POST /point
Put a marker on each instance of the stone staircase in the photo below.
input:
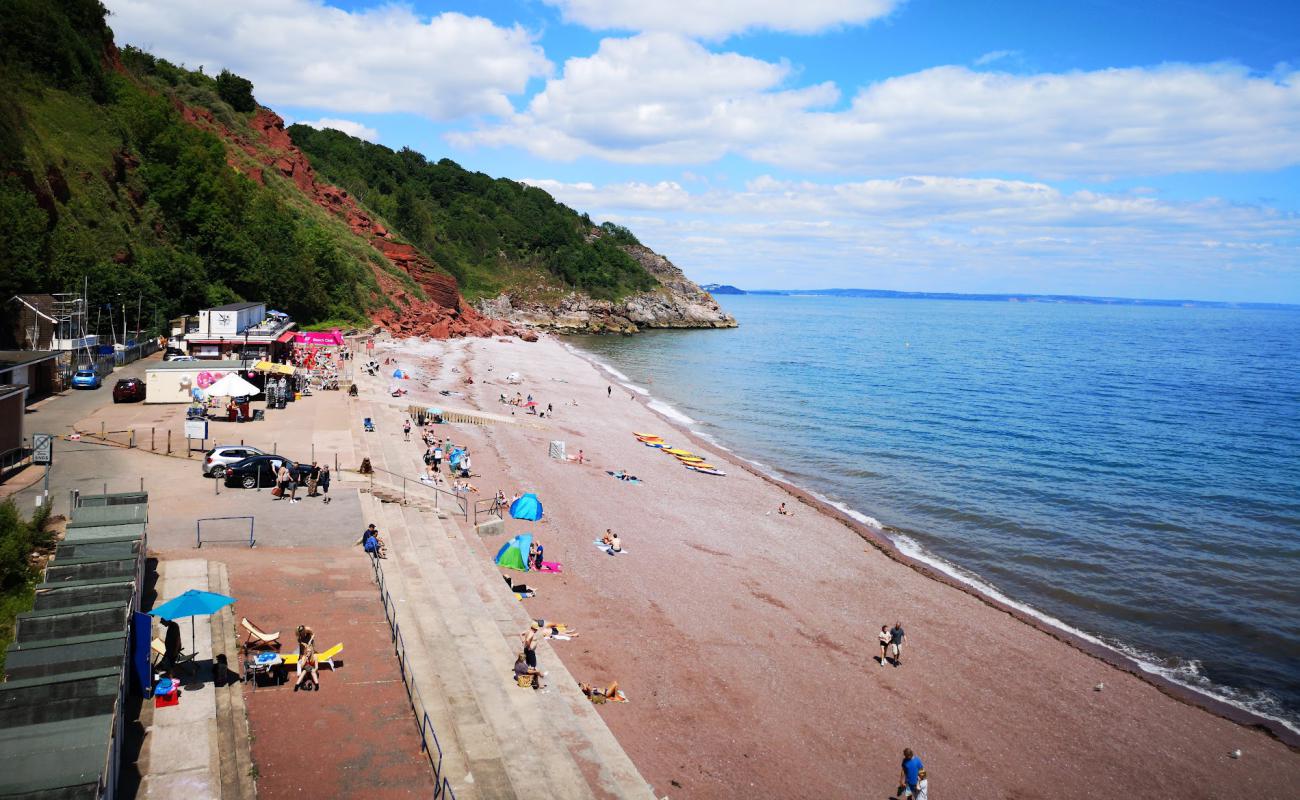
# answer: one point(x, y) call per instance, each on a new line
point(460, 624)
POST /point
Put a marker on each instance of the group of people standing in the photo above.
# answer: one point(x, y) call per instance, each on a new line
point(317, 478)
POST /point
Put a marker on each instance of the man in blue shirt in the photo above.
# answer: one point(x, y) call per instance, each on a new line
point(909, 775)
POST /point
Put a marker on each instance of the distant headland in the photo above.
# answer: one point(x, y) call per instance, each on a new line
point(725, 289)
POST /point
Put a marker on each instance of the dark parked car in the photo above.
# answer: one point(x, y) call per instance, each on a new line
point(256, 471)
point(128, 390)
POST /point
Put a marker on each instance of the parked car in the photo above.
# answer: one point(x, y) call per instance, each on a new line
point(218, 458)
point(128, 390)
point(181, 357)
point(260, 470)
point(172, 351)
point(86, 379)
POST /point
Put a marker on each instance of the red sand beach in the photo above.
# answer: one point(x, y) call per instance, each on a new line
point(746, 640)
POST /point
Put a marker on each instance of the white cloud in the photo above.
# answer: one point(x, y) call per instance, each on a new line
point(721, 18)
point(304, 53)
point(660, 98)
point(956, 234)
point(347, 126)
point(655, 98)
point(996, 55)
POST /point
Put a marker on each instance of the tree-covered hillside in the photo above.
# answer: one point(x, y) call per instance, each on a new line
point(487, 232)
point(102, 178)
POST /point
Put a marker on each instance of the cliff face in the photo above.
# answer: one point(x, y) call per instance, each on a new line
point(445, 314)
point(677, 303)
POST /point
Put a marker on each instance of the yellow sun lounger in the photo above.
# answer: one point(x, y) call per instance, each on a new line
point(322, 659)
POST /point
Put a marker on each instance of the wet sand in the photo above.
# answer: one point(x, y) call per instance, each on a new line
point(746, 640)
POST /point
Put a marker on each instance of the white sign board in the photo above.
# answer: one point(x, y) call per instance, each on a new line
point(42, 448)
point(196, 429)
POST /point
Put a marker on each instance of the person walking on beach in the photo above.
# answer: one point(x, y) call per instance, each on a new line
point(437, 457)
point(909, 776)
point(406, 430)
point(324, 483)
point(896, 643)
point(885, 639)
point(609, 391)
point(313, 480)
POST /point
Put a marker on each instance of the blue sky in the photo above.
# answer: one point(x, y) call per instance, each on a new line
point(1096, 147)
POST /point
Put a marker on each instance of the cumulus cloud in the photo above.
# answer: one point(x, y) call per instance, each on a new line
point(655, 98)
point(721, 18)
point(660, 98)
point(957, 234)
point(347, 126)
point(305, 53)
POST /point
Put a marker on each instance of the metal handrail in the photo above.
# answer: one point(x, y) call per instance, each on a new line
point(490, 507)
point(462, 504)
point(441, 786)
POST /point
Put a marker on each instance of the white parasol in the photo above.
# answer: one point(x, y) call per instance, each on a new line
point(233, 386)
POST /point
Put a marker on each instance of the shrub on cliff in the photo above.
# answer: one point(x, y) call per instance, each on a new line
point(236, 91)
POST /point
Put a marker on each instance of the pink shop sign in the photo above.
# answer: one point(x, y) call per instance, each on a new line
point(333, 337)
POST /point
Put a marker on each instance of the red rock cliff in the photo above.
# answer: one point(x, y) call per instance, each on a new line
point(445, 314)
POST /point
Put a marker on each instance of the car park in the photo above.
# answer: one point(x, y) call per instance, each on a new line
point(86, 379)
point(259, 471)
point(218, 458)
point(128, 390)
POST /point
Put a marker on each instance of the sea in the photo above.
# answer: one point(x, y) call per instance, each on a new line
point(1129, 473)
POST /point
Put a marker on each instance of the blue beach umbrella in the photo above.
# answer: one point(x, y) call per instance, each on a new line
point(527, 507)
point(194, 603)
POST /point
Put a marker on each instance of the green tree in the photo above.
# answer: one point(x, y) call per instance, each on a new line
point(236, 91)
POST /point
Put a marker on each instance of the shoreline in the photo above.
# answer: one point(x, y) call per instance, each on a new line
point(745, 639)
point(878, 537)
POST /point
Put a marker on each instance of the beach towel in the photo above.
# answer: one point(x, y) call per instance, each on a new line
point(609, 550)
point(619, 475)
point(551, 566)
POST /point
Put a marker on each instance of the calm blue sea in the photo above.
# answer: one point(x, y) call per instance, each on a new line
point(1133, 473)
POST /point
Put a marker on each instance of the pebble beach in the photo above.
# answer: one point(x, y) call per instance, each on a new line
point(746, 639)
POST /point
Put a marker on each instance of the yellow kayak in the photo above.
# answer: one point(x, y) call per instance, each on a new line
point(700, 465)
point(645, 435)
point(689, 459)
point(678, 452)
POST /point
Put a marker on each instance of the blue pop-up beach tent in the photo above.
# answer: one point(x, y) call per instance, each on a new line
point(399, 373)
point(514, 553)
point(457, 453)
point(527, 507)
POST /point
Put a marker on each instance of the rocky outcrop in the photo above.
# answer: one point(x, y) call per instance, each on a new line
point(677, 303)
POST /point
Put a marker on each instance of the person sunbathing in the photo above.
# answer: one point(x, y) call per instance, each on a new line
point(609, 694)
point(611, 540)
point(551, 628)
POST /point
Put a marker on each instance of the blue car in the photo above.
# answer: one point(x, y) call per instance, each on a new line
point(86, 379)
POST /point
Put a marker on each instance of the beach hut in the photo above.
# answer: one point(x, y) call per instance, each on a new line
point(527, 507)
point(514, 553)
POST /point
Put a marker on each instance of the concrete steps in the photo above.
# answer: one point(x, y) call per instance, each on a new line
point(425, 669)
point(499, 740)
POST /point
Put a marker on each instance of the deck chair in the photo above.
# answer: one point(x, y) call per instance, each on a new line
point(257, 638)
point(370, 426)
point(325, 659)
point(160, 648)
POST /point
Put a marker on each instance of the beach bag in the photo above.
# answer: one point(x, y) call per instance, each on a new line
point(598, 699)
point(525, 681)
point(278, 491)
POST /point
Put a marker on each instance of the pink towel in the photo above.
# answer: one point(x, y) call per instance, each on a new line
point(551, 566)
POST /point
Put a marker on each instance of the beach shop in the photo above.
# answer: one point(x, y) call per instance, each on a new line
point(244, 331)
